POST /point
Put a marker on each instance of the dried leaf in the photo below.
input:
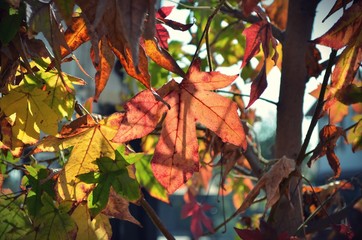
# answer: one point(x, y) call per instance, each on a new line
point(118, 207)
point(328, 137)
point(270, 181)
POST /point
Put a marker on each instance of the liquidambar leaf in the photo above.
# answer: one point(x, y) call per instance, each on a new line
point(90, 140)
point(328, 137)
point(98, 227)
point(32, 114)
point(53, 220)
point(176, 154)
point(270, 182)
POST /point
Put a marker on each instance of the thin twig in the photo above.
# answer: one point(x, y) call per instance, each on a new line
point(318, 109)
point(213, 14)
point(156, 220)
point(246, 95)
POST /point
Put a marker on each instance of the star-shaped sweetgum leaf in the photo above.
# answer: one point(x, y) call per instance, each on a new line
point(176, 154)
point(90, 140)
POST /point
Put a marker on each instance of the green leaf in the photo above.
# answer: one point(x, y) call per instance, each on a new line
point(38, 183)
point(10, 22)
point(115, 174)
point(15, 223)
point(53, 220)
point(89, 177)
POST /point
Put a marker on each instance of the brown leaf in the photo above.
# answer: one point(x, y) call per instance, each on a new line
point(118, 207)
point(270, 181)
point(312, 56)
point(328, 138)
point(278, 13)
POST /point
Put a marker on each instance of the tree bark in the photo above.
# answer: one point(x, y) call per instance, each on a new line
point(287, 215)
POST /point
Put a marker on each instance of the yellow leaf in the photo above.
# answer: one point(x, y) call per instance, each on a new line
point(32, 113)
point(96, 228)
point(90, 140)
point(60, 93)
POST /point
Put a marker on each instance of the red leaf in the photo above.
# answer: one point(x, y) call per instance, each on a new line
point(196, 211)
point(344, 230)
point(258, 86)
point(161, 32)
point(258, 33)
point(247, 6)
point(248, 234)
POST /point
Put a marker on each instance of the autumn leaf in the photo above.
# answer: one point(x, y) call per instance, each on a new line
point(259, 33)
point(161, 32)
point(176, 154)
point(103, 67)
point(117, 207)
point(312, 56)
point(278, 13)
point(345, 33)
point(328, 137)
point(270, 181)
point(98, 227)
point(196, 211)
point(247, 6)
point(27, 105)
point(337, 5)
point(258, 86)
point(9, 141)
point(90, 140)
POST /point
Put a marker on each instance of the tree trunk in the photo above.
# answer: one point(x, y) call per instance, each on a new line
point(287, 215)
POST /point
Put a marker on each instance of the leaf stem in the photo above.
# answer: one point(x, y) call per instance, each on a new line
point(155, 219)
point(318, 109)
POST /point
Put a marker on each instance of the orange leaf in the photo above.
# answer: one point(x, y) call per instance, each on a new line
point(345, 30)
point(161, 57)
point(328, 137)
point(337, 5)
point(176, 154)
point(278, 13)
point(143, 112)
point(103, 67)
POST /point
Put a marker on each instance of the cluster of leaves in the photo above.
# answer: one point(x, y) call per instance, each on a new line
point(101, 175)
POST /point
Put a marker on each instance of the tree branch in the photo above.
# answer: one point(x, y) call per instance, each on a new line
point(156, 220)
point(318, 109)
